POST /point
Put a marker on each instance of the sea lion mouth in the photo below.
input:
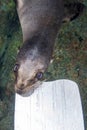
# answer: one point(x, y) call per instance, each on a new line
point(24, 91)
point(28, 90)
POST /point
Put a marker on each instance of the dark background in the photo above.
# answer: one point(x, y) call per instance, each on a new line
point(69, 58)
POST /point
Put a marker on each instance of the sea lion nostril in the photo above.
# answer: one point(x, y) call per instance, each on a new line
point(21, 87)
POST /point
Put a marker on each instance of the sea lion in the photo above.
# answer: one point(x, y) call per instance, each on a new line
point(40, 22)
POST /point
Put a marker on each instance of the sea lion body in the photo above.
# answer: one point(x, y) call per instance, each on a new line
point(40, 22)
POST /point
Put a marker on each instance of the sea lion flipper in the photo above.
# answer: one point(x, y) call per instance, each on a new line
point(72, 11)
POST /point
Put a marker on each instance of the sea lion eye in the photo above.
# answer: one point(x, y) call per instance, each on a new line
point(16, 67)
point(39, 75)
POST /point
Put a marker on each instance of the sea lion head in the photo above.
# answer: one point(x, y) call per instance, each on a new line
point(32, 62)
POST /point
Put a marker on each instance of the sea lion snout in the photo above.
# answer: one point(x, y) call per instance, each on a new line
point(26, 90)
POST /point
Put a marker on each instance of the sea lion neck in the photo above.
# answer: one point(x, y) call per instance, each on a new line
point(37, 47)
